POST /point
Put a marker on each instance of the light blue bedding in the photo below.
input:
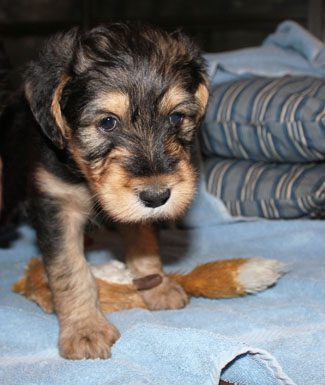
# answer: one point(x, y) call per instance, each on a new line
point(190, 346)
point(290, 50)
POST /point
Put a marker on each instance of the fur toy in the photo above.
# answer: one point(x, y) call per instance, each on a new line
point(119, 290)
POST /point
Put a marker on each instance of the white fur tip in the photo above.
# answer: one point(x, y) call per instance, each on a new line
point(113, 272)
point(258, 274)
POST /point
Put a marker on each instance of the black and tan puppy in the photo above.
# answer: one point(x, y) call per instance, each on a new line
point(113, 118)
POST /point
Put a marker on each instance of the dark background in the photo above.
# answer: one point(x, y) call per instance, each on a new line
point(218, 25)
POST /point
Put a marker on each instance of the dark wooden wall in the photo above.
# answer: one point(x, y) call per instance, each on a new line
point(218, 25)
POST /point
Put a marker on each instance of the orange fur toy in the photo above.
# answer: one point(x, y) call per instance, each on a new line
point(118, 290)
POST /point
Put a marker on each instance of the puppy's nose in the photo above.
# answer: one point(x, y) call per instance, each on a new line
point(152, 198)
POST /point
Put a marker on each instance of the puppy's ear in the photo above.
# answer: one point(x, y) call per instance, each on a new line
point(202, 96)
point(189, 50)
point(45, 80)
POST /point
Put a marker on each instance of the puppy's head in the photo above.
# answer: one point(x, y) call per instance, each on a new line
point(125, 102)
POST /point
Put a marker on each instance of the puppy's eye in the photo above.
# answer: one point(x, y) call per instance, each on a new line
point(176, 118)
point(107, 124)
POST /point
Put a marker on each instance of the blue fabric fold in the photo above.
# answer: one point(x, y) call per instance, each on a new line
point(196, 357)
point(290, 35)
point(290, 50)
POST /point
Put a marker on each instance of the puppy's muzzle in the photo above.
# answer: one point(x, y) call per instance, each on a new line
point(154, 196)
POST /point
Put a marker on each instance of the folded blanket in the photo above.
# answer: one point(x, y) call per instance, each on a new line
point(290, 50)
point(210, 337)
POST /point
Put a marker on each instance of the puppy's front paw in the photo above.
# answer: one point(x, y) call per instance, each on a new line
point(167, 295)
point(91, 338)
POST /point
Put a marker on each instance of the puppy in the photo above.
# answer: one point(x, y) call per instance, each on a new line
point(107, 125)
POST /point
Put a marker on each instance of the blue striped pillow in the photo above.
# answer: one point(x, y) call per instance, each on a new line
point(267, 119)
point(269, 190)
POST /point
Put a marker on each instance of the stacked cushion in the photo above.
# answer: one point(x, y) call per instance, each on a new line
point(276, 128)
point(268, 190)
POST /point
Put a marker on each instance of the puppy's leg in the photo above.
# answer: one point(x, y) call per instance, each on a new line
point(84, 331)
point(142, 257)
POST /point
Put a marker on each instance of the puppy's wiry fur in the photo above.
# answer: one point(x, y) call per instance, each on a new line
point(109, 123)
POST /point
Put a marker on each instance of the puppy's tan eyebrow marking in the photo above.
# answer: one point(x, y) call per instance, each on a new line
point(174, 97)
point(116, 103)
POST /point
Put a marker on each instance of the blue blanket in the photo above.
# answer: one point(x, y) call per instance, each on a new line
point(235, 338)
point(291, 50)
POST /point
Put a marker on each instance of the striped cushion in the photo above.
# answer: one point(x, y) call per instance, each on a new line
point(273, 119)
point(269, 190)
